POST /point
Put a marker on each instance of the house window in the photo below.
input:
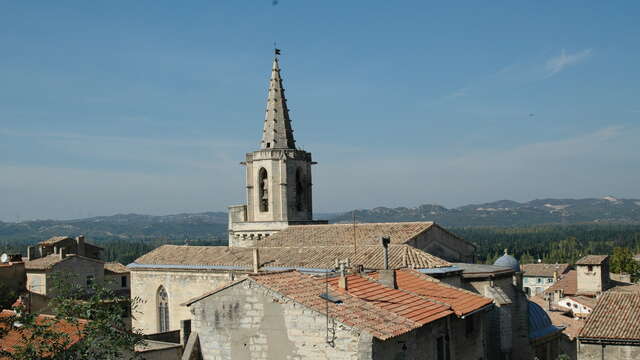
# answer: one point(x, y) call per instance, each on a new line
point(263, 193)
point(123, 281)
point(590, 268)
point(90, 280)
point(539, 281)
point(575, 306)
point(549, 280)
point(163, 309)
point(442, 348)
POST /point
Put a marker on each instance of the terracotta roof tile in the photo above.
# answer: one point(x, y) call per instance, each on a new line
point(15, 338)
point(321, 257)
point(545, 270)
point(568, 283)
point(615, 317)
point(592, 260)
point(367, 305)
point(461, 301)
point(345, 234)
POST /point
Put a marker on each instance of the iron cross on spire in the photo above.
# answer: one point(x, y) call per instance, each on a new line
point(275, 49)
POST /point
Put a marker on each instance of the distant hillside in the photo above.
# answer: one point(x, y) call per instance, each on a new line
point(608, 210)
point(211, 226)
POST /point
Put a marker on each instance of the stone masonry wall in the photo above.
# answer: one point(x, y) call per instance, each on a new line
point(247, 321)
point(611, 352)
point(180, 286)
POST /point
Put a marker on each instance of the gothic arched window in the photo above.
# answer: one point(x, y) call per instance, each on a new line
point(263, 185)
point(299, 190)
point(163, 309)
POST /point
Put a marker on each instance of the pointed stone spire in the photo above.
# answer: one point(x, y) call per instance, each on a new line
point(277, 133)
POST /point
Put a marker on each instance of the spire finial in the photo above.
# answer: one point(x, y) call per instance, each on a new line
point(506, 251)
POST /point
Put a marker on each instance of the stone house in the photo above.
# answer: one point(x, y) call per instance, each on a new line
point(75, 261)
point(612, 331)
point(117, 277)
point(79, 270)
point(64, 245)
point(536, 278)
point(593, 274)
point(172, 274)
point(353, 316)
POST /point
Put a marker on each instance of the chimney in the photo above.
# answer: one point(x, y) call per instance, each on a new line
point(62, 253)
point(385, 240)
point(387, 277)
point(256, 260)
point(31, 253)
point(80, 245)
point(342, 282)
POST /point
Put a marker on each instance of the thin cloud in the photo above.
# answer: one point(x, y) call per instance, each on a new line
point(558, 63)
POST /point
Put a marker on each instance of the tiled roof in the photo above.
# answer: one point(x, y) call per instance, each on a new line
point(483, 270)
point(461, 301)
point(15, 338)
point(592, 260)
point(116, 268)
point(568, 283)
point(318, 257)
point(587, 301)
point(54, 240)
point(367, 305)
point(545, 270)
point(615, 317)
point(571, 326)
point(47, 262)
point(345, 234)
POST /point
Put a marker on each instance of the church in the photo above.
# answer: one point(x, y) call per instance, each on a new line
point(275, 243)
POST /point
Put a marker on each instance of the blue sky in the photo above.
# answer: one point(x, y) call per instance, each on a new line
point(149, 106)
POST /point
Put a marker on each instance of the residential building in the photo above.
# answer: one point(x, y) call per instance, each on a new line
point(72, 260)
point(612, 331)
point(353, 316)
point(536, 278)
point(593, 274)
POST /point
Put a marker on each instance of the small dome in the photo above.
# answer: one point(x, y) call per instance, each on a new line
point(509, 261)
point(539, 322)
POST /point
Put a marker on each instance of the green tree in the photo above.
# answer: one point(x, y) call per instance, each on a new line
point(97, 317)
point(526, 258)
point(622, 262)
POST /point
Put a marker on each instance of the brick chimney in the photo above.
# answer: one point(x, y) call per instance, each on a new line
point(80, 245)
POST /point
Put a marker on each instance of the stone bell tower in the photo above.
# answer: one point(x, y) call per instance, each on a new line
point(278, 177)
